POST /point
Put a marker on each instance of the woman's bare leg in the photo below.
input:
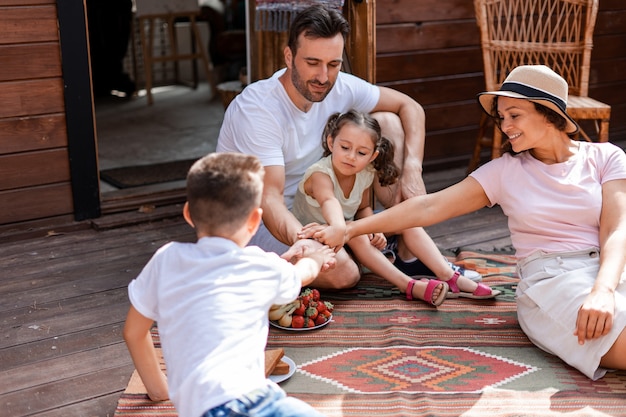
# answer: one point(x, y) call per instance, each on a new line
point(615, 358)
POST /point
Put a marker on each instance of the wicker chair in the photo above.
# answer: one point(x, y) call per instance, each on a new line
point(556, 33)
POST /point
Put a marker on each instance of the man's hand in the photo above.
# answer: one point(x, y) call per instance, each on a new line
point(309, 230)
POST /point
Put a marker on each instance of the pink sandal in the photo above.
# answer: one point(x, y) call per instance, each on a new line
point(482, 292)
point(428, 294)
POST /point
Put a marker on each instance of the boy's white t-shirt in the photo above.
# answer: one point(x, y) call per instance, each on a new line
point(556, 207)
point(263, 121)
point(211, 301)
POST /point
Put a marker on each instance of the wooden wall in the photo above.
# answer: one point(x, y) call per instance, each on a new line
point(430, 50)
point(34, 161)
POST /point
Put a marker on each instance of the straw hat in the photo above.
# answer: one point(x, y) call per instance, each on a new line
point(536, 83)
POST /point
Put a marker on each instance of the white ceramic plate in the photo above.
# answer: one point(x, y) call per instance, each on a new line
point(292, 369)
point(301, 328)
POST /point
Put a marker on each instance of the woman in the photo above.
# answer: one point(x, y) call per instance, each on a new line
point(566, 204)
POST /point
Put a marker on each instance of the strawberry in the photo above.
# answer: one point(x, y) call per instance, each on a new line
point(305, 299)
point(321, 319)
point(300, 310)
point(297, 322)
point(310, 323)
point(311, 312)
point(315, 295)
point(321, 307)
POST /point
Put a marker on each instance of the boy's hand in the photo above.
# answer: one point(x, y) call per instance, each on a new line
point(325, 256)
point(302, 248)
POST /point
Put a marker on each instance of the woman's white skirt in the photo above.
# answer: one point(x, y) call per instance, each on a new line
point(551, 290)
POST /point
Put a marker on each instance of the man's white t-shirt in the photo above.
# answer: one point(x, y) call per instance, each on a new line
point(211, 301)
point(263, 121)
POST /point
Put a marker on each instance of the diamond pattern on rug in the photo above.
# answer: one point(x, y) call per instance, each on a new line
point(435, 369)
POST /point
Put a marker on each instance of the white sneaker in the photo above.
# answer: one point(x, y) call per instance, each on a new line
point(468, 273)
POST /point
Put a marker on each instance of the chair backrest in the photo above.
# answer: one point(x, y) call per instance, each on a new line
point(556, 33)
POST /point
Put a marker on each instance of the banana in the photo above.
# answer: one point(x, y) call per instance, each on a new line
point(278, 312)
point(285, 320)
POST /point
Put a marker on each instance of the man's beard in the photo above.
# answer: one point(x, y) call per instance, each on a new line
point(301, 86)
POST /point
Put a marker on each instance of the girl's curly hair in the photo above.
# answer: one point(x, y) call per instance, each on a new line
point(384, 164)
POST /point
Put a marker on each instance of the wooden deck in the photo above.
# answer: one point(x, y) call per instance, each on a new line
point(63, 301)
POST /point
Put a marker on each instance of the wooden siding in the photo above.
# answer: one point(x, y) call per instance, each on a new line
point(34, 161)
point(430, 50)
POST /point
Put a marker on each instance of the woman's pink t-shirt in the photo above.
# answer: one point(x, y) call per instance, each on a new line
point(556, 207)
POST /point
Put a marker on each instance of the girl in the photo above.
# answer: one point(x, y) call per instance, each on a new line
point(338, 187)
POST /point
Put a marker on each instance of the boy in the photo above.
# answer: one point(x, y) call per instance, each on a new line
point(211, 300)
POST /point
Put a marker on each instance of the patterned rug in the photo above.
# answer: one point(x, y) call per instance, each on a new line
point(385, 356)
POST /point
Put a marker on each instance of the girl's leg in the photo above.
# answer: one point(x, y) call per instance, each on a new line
point(375, 261)
point(416, 242)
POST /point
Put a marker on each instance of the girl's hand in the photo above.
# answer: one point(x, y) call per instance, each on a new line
point(595, 317)
point(332, 236)
point(378, 240)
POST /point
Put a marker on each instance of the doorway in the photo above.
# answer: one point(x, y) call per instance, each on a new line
point(182, 124)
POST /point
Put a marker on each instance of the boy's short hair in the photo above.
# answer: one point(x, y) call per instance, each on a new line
point(222, 190)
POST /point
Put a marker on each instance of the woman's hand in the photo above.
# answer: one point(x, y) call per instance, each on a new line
point(595, 317)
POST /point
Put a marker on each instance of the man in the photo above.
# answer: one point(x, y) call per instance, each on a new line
point(281, 119)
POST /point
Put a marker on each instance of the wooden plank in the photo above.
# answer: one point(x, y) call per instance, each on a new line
point(26, 2)
point(441, 90)
point(399, 11)
point(32, 97)
point(58, 318)
point(607, 47)
point(26, 204)
point(411, 37)
point(75, 244)
point(24, 61)
point(28, 24)
point(361, 43)
point(21, 134)
point(610, 21)
point(98, 335)
point(65, 392)
point(466, 115)
point(33, 288)
point(64, 366)
point(601, 73)
point(103, 405)
point(34, 168)
point(428, 63)
point(449, 148)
